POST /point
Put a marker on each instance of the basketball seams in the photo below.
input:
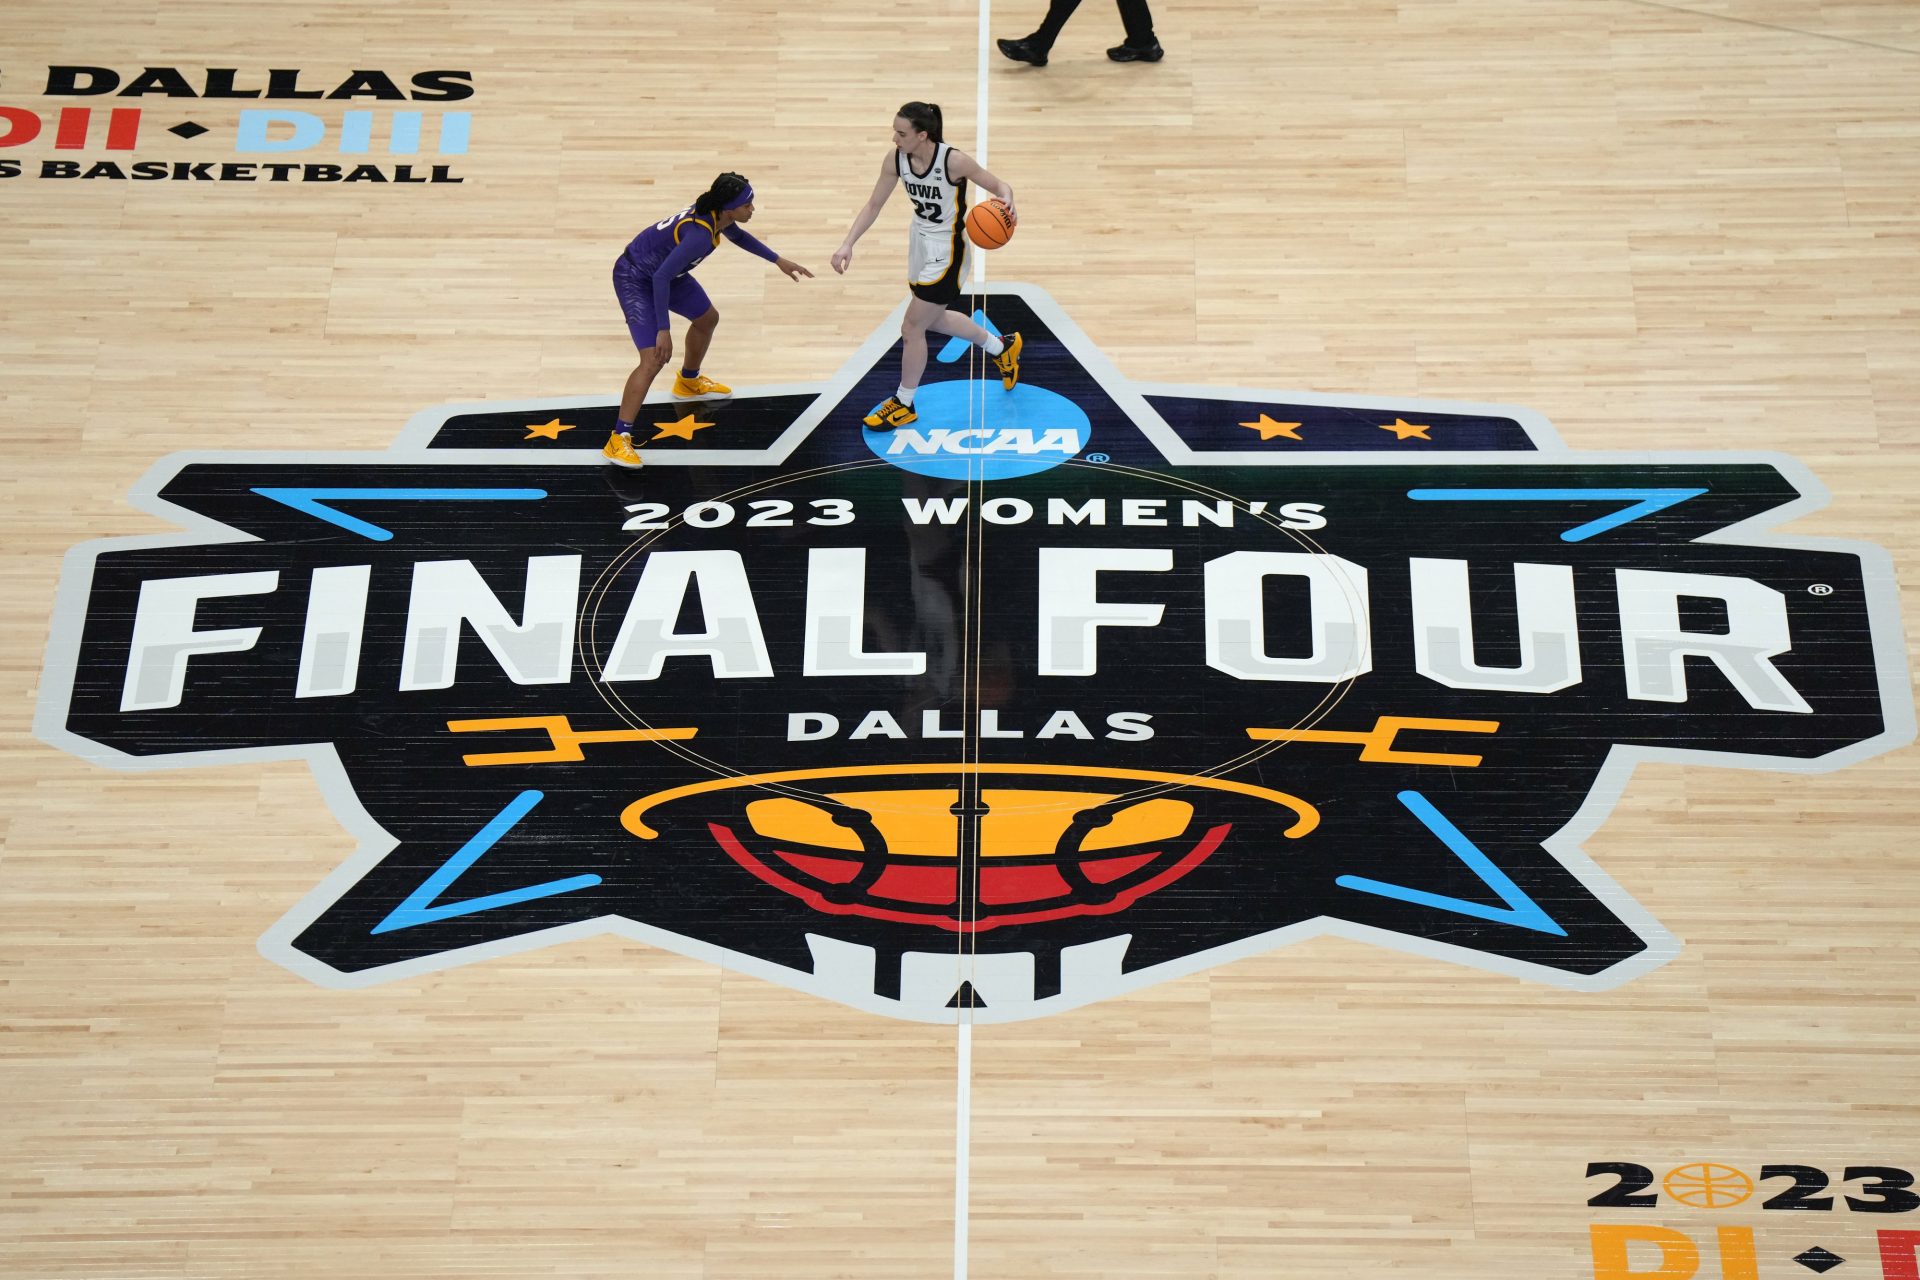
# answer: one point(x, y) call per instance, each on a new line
point(990, 224)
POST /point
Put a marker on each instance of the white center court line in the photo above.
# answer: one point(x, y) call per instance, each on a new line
point(963, 1119)
point(963, 1090)
point(980, 123)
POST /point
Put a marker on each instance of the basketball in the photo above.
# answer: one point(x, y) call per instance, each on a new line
point(990, 224)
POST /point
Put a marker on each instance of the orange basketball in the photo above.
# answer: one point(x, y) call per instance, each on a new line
point(990, 224)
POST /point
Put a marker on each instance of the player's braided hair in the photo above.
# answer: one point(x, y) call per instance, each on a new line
point(924, 116)
point(724, 188)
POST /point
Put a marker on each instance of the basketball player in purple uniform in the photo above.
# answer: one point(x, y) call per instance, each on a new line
point(654, 276)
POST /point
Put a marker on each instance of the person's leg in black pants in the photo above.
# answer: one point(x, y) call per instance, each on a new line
point(1057, 14)
point(1033, 48)
point(1141, 46)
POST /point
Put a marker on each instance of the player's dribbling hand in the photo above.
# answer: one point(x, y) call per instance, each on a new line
point(793, 269)
point(842, 259)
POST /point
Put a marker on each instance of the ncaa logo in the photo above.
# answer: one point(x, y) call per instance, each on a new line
point(972, 430)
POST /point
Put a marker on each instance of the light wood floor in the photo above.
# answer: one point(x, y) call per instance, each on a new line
point(1659, 225)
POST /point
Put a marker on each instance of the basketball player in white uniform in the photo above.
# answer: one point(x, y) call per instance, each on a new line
point(935, 176)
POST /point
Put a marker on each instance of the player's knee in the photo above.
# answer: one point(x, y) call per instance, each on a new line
point(709, 320)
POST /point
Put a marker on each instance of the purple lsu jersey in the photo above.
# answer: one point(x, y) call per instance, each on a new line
point(649, 250)
point(654, 273)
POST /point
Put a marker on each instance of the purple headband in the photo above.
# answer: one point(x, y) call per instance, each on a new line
point(745, 197)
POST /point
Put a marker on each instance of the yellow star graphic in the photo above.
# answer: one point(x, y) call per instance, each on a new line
point(1402, 429)
point(546, 430)
point(681, 430)
point(1268, 428)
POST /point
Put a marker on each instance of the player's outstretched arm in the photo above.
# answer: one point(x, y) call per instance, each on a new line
point(962, 165)
point(843, 256)
point(746, 241)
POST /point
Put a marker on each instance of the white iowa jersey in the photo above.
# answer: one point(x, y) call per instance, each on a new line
point(935, 243)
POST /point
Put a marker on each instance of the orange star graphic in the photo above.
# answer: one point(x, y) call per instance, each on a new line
point(1268, 428)
point(546, 430)
point(681, 430)
point(1402, 429)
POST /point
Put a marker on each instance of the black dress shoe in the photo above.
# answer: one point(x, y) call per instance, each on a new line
point(1023, 51)
point(1137, 53)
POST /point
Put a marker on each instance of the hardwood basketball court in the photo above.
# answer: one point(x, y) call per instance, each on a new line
point(1647, 230)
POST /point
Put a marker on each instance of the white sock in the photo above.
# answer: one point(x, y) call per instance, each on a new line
point(904, 396)
point(994, 345)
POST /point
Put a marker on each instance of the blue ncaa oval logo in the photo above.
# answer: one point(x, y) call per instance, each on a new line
point(970, 430)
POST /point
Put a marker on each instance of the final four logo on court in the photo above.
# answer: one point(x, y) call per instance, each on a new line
point(1071, 690)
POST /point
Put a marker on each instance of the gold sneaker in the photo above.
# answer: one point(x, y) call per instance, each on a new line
point(699, 388)
point(888, 414)
point(619, 451)
point(1008, 361)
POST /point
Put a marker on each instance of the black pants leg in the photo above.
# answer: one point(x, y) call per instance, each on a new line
point(1057, 14)
point(1139, 22)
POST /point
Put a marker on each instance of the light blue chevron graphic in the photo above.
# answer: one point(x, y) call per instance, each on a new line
point(422, 906)
point(1645, 502)
point(309, 502)
point(1520, 909)
point(957, 347)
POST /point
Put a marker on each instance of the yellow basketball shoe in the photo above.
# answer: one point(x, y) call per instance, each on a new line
point(619, 451)
point(888, 414)
point(700, 387)
point(1008, 361)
